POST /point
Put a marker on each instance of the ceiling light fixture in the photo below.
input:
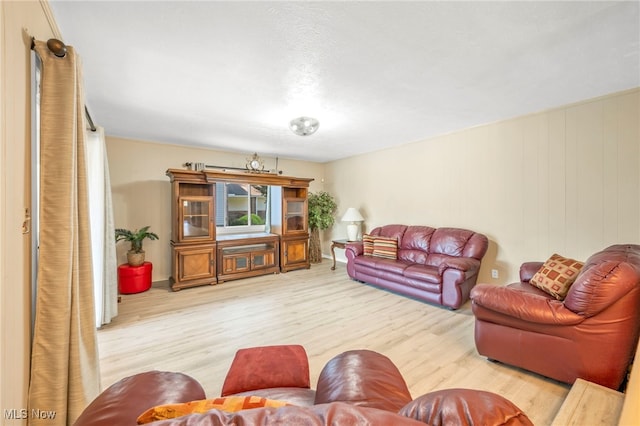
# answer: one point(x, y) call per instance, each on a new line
point(304, 126)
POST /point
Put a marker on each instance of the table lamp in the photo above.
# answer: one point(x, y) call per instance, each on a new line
point(352, 215)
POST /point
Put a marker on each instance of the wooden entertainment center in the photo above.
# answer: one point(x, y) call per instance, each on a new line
point(200, 257)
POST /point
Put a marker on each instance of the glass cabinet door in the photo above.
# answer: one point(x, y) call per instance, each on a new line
point(257, 260)
point(196, 218)
point(295, 213)
point(264, 259)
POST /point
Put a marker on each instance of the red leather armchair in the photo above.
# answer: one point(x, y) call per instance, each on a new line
point(591, 334)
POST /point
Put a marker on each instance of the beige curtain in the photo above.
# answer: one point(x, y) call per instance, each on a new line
point(64, 360)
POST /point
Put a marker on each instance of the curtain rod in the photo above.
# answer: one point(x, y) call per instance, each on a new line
point(59, 49)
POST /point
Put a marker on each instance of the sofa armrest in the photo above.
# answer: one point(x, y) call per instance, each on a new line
point(125, 400)
point(469, 265)
point(524, 306)
point(458, 406)
point(528, 270)
point(365, 378)
point(354, 249)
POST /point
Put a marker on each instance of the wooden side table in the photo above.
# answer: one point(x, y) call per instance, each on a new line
point(340, 244)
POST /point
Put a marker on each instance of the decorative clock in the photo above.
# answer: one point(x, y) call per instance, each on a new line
point(254, 164)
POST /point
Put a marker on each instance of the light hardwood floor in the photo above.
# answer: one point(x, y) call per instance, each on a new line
point(197, 331)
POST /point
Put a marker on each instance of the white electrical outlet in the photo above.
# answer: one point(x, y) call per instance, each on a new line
point(494, 273)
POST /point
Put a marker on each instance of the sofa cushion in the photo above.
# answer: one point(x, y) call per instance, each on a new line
point(267, 367)
point(556, 275)
point(426, 273)
point(413, 255)
point(386, 248)
point(417, 238)
point(389, 231)
point(382, 265)
point(451, 241)
point(414, 246)
point(465, 407)
point(229, 404)
point(525, 287)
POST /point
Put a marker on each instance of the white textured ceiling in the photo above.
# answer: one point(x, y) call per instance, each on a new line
point(231, 75)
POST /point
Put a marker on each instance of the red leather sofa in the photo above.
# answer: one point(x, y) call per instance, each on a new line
point(434, 265)
point(591, 334)
point(354, 388)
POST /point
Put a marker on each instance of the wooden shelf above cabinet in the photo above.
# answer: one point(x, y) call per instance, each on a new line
point(256, 178)
point(213, 176)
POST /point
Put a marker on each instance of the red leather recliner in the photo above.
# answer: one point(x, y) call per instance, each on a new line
point(591, 334)
point(358, 387)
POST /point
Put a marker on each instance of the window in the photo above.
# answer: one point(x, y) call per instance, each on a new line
point(241, 207)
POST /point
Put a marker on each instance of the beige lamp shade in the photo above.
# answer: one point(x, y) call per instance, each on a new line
point(352, 215)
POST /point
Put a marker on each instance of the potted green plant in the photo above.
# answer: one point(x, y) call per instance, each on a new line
point(135, 256)
point(322, 209)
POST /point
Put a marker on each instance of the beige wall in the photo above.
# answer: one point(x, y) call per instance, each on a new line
point(565, 180)
point(141, 190)
point(18, 22)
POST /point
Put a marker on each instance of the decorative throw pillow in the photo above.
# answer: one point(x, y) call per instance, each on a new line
point(367, 244)
point(230, 404)
point(263, 367)
point(556, 275)
point(386, 248)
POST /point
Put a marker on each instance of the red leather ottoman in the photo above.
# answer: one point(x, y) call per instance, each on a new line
point(134, 279)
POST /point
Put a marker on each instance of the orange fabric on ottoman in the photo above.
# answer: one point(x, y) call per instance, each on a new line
point(267, 367)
